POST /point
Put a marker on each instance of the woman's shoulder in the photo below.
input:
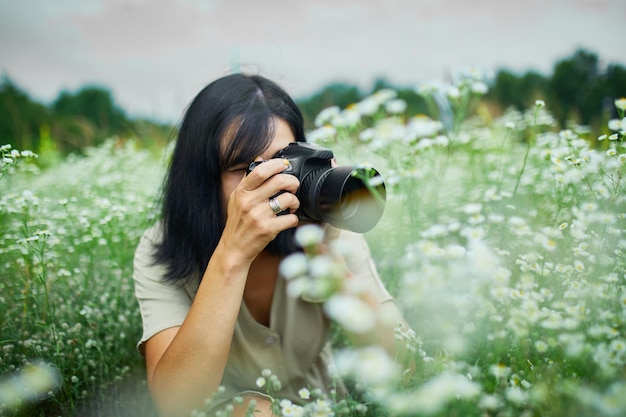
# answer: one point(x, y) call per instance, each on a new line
point(153, 234)
point(148, 269)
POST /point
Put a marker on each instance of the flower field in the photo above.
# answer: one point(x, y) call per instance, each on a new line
point(503, 243)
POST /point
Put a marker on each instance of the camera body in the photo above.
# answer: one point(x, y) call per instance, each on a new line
point(347, 197)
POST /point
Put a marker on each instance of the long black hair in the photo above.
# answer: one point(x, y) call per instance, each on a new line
point(240, 108)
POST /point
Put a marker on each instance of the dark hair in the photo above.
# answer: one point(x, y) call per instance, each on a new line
point(228, 123)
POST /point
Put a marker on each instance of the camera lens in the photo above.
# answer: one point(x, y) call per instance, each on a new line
point(343, 197)
point(350, 199)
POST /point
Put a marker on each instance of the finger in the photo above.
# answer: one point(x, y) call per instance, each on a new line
point(263, 172)
point(284, 203)
point(286, 221)
point(279, 183)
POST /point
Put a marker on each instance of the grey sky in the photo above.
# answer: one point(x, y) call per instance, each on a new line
point(156, 54)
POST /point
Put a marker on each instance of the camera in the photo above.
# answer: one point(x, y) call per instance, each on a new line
point(347, 197)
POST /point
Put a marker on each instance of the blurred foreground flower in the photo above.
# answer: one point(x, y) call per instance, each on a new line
point(433, 396)
point(371, 365)
point(350, 312)
point(33, 383)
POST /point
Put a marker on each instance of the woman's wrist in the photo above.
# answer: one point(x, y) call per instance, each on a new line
point(230, 260)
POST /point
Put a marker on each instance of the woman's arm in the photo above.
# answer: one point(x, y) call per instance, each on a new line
point(185, 364)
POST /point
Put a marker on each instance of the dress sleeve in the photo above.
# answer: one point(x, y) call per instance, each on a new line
point(162, 305)
point(360, 262)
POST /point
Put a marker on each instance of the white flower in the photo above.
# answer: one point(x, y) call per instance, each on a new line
point(500, 371)
point(322, 266)
point(294, 265)
point(29, 154)
point(33, 382)
point(541, 346)
point(516, 395)
point(288, 409)
point(479, 88)
point(435, 394)
point(327, 115)
point(368, 106)
point(472, 233)
point(260, 382)
point(370, 365)
point(472, 208)
point(620, 103)
point(385, 94)
point(321, 408)
point(441, 140)
point(349, 116)
point(453, 92)
point(616, 124)
point(322, 133)
point(428, 88)
point(304, 393)
point(540, 104)
point(579, 266)
point(367, 135)
point(309, 235)
point(350, 312)
point(490, 402)
point(423, 126)
point(396, 106)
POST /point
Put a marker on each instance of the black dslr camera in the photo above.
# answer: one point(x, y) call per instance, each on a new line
point(347, 197)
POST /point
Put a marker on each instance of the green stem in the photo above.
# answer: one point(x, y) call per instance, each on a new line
point(530, 141)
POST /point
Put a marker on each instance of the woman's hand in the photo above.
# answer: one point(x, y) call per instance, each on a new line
point(251, 222)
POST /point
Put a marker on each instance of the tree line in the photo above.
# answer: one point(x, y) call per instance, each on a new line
point(71, 123)
point(580, 89)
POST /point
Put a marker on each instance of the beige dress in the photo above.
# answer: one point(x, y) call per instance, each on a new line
point(294, 347)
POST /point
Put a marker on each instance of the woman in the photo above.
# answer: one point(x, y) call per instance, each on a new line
point(215, 310)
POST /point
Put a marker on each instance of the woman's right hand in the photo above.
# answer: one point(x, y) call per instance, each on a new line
point(251, 223)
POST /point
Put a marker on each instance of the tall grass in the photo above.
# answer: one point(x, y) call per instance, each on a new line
point(503, 243)
point(68, 237)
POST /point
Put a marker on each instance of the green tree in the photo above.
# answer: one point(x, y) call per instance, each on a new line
point(614, 86)
point(507, 90)
point(533, 87)
point(520, 92)
point(615, 80)
point(20, 117)
point(95, 104)
point(575, 87)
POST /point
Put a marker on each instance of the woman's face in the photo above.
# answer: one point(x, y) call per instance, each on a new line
point(233, 176)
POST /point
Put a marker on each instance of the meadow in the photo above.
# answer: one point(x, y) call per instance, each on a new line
point(503, 243)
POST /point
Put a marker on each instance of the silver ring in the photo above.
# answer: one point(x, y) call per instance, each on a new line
point(275, 205)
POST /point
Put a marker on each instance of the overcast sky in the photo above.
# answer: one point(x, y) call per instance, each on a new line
point(155, 55)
